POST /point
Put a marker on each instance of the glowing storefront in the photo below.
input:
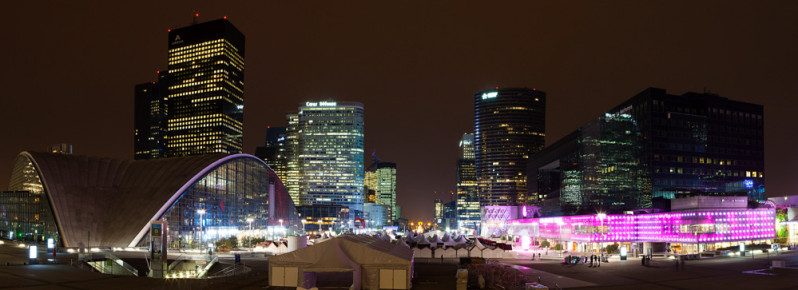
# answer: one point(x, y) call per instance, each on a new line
point(103, 202)
point(691, 231)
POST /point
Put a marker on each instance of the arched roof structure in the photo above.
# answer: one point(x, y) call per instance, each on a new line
point(98, 201)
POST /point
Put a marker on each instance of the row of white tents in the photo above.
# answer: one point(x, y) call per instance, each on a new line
point(448, 246)
point(358, 261)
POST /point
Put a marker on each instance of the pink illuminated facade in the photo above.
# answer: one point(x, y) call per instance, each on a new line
point(699, 227)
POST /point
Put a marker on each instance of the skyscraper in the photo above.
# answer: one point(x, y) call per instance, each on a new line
point(206, 89)
point(382, 176)
point(654, 145)
point(509, 126)
point(292, 157)
point(149, 118)
point(467, 198)
point(331, 154)
point(274, 150)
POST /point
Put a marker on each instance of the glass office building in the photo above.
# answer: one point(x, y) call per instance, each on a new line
point(653, 146)
point(149, 118)
point(381, 177)
point(206, 89)
point(330, 154)
point(509, 126)
point(467, 198)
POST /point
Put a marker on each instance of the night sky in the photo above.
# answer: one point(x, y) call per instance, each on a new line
point(68, 72)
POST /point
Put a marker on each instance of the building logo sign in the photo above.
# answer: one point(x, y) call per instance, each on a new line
point(489, 95)
point(177, 40)
point(321, 104)
point(749, 183)
point(622, 113)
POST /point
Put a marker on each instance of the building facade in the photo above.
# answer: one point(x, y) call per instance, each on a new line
point(330, 154)
point(381, 177)
point(653, 146)
point(274, 151)
point(206, 89)
point(292, 157)
point(509, 126)
point(149, 118)
point(467, 208)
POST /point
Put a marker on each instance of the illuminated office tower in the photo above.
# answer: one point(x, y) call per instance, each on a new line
point(382, 175)
point(149, 119)
point(274, 150)
point(206, 89)
point(292, 157)
point(467, 199)
point(509, 126)
point(331, 154)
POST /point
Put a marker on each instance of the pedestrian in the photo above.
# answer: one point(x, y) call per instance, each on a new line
point(538, 256)
point(676, 266)
point(643, 261)
point(683, 259)
point(591, 260)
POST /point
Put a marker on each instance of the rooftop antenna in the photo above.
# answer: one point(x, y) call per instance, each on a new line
point(195, 17)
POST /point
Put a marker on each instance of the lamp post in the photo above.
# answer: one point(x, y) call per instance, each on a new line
point(250, 220)
point(202, 215)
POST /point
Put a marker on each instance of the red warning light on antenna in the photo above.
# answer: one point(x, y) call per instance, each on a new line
point(225, 17)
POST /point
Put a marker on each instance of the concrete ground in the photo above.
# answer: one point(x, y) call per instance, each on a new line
point(662, 273)
point(714, 273)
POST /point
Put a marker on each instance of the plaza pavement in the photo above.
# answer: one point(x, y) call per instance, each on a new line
point(714, 273)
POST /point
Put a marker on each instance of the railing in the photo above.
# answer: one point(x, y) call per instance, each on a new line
point(185, 257)
point(207, 267)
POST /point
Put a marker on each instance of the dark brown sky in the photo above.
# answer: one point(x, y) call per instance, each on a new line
point(68, 71)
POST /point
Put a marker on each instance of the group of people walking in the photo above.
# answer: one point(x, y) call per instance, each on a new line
point(594, 260)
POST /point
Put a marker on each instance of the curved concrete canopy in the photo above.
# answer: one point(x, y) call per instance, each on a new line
point(108, 202)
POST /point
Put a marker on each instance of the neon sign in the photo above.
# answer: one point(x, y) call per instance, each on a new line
point(321, 104)
point(489, 95)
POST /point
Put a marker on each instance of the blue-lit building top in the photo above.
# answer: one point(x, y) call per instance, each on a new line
point(654, 145)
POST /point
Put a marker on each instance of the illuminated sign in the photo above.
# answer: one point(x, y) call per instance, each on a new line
point(749, 183)
point(321, 104)
point(50, 243)
point(33, 253)
point(280, 139)
point(177, 40)
point(489, 95)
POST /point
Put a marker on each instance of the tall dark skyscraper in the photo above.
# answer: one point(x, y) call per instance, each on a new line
point(149, 119)
point(509, 126)
point(654, 145)
point(274, 151)
point(206, 89)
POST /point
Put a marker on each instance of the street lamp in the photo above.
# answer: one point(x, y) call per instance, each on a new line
point(202, 214)
point(250, 220)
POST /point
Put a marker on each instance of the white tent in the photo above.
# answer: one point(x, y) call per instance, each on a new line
point(422, 252)
point(402, 242)
point(373, 263)
point(422, 240)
